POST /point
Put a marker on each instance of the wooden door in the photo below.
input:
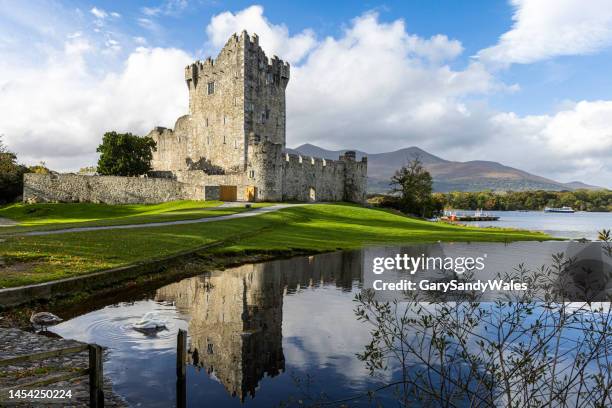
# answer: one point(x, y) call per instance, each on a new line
point(250, 193)
point(228, 193)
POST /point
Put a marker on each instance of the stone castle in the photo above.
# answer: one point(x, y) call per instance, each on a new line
point(234, 134)
point(231, 145)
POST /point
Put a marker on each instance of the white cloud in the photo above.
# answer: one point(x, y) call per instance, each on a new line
point(58, 110)
point(544, 29)
point(168, 8)
point(574, 143)
point(377, 79)
point(275, 39)
point(99, 13)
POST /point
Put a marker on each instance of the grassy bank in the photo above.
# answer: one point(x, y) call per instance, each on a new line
point(42, 217)
point(313, 228)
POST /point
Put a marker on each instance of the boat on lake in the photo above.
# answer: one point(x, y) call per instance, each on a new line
point(478, 215)
point(568, 210)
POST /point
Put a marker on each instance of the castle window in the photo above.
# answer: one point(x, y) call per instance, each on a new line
point(251, 173)
point(206, 122)
point(267, 113)
point(235, 144)
point(224, 120)
point(223, 139)
point(269, 78)
point(211, 88)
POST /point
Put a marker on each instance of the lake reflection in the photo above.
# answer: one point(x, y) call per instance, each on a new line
point(259, 334)
point(237, 315)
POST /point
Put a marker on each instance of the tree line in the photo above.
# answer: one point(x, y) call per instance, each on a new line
point(412, 193)
point(582, 200)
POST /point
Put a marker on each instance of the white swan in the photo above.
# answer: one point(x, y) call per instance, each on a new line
point(150, 321)
point(44, 319)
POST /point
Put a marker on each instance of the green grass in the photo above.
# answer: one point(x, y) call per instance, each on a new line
point(41, 217)
point(315, 228)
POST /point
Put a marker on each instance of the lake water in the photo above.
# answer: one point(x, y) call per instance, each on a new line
point(260, 334)
point(574, 226)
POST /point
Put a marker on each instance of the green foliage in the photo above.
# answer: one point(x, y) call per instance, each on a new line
point(583, 200)
point(88, 170)
point(40, 168)
point(532, 349)
point(415, 185)
point(125, 154)
point(11, 175)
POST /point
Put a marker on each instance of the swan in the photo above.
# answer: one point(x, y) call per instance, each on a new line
point(150, 321)
point(44, 319)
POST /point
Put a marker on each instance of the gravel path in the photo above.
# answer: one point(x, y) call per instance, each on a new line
point(15, 342)
point(5, 222)
point(245, 214)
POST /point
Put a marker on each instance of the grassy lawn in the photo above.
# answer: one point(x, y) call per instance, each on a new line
point(58, 216)
point(321, 227)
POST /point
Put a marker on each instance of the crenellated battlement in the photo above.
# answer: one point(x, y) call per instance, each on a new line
point(249, 44)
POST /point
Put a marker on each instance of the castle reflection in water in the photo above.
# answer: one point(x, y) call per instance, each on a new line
point(236, 315)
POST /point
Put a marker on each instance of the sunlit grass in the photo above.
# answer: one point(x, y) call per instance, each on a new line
point(316, 228)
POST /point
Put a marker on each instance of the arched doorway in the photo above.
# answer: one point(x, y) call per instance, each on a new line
point(312, 194)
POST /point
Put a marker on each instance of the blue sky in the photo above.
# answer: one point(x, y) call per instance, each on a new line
point(524, 82)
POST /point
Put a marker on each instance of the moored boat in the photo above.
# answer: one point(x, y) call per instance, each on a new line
point(478, 215)
point(559, 209)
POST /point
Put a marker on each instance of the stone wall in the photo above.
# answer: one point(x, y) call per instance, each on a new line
point(313, 179)
point(200, 178)
point(68, 188)
point(302, 173)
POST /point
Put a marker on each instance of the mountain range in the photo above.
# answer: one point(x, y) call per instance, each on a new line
point(476, 175)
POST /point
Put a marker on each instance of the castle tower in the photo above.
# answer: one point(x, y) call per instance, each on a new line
point(237, 96)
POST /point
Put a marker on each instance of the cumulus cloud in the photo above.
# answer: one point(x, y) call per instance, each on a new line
point(544, 29)
point(379, 79)
point(573, 143)
point(275, 39)
point(58, 110)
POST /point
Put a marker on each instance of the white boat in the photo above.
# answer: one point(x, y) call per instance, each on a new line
point(559, 210)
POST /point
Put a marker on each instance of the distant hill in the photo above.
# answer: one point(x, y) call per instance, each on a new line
point(448, 175)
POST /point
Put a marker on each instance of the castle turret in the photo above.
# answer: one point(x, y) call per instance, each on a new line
point(355, 177)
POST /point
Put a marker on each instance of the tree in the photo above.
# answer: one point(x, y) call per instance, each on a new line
point(415, 185)
point(11, 175)
point(125, 154)
point(40, 168)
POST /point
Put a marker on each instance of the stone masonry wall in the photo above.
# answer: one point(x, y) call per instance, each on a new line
point(70, 188)
point(331, 180)
point(301, 173)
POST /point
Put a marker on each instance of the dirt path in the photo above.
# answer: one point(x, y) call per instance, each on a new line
point(5, 222)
